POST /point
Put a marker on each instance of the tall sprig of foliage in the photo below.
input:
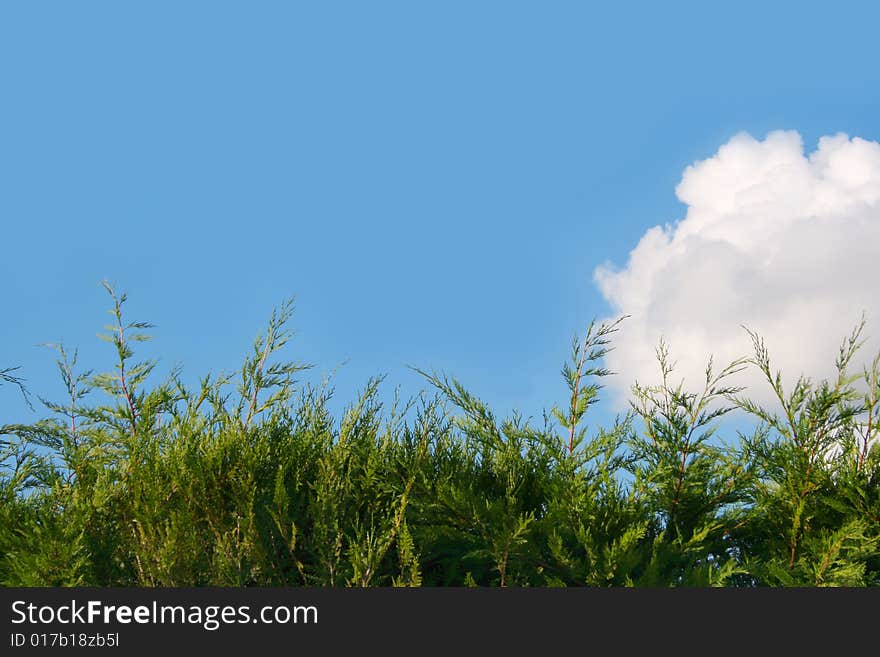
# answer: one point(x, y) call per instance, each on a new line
point(690, 480)
point(815, 510)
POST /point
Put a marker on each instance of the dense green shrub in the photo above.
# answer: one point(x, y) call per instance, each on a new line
point(251, 480)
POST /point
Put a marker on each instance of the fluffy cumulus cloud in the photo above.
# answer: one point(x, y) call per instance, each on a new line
point(782, 242)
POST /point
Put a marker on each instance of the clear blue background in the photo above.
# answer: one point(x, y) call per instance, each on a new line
point(433, 182)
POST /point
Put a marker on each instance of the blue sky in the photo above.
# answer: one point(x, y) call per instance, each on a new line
point(435, 184)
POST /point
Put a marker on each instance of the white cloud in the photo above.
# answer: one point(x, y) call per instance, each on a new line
point(785, 243)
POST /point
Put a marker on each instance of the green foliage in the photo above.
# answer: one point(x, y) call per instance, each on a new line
point(814, 510)
point(249, 479)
